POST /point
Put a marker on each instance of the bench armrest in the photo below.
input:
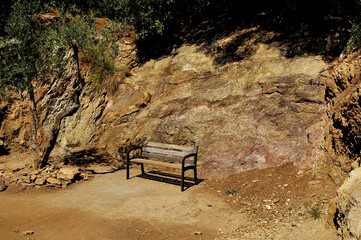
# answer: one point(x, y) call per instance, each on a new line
point(132, 149)
point(188, 156)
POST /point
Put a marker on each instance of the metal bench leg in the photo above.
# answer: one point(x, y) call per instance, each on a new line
point(127, 169)
point(182, 180)
point(195, 176)
point(142, 167)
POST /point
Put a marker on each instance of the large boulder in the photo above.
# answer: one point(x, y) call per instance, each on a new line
point(348, 205)
point(68, 173)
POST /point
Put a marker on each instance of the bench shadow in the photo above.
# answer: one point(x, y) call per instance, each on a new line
point(169, 178)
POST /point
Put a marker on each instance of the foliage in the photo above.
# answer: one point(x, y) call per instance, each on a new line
point(154, 18)
point(78, 33)
point(31, 50)
point(106, 49)
point(355, 37)
point(66, 32)
point(232, 191)
point(19, 53)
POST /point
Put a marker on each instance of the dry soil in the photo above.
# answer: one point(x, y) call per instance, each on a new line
point(265, 204)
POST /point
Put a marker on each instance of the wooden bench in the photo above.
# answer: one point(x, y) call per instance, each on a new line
point(166, 155)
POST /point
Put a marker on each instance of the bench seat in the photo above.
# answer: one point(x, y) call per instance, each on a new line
point(156, 162)
point(166, 155)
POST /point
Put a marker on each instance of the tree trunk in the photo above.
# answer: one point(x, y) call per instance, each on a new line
point(76, 58)
point(34, 122)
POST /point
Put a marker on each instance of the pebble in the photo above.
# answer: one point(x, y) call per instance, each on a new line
point(197, 233)
point(28, 233)
point(313, 182)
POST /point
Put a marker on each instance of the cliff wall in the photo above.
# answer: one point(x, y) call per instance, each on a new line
point(262, 111)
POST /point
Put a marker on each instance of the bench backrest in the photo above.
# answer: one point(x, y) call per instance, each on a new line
point(168, 152)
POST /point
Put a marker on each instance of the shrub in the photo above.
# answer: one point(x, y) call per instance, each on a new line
point(355, 37)
point(314, 212)
point(232, 191)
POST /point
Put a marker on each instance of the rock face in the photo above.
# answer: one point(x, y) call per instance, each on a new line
point(343, 139)
point(348, 202)
point(15, 123)
point(265, 110)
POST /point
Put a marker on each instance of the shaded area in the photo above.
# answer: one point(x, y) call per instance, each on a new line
point(169, 178)
point(343, 140)
point(4, 150)
point(301, 27)
point(86, 156)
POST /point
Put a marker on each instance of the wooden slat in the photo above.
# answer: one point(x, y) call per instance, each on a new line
point(171, 146)
point(165, 152)
point(167, 158)
point(158, 163)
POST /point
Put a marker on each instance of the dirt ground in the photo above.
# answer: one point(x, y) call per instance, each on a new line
point(273, 203)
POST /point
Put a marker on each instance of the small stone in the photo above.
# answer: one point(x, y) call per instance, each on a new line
point(2, 185)
point(54, 181)
point(245, 203)
point(313, 182)
point(286, 185)
point(40, 181)
point(294, 224)
point(300, 172)
point(197, 233)
point(68, 173)
point(268, 207)
point(28, 233)
point(26, 179)
point(33, 177)
point(64, 184)
point(255, 181)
